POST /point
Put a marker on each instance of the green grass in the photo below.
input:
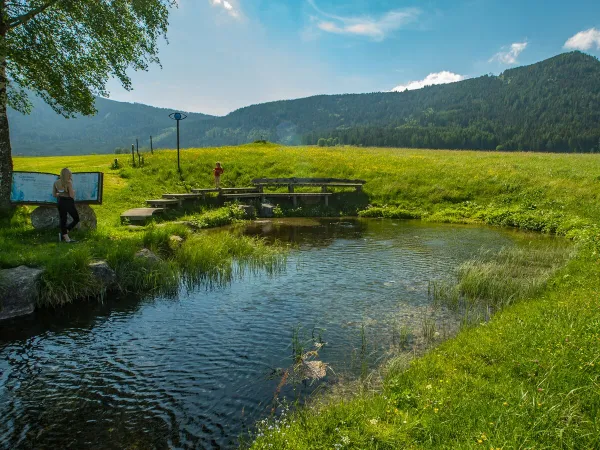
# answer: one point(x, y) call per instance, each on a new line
point(529, 378)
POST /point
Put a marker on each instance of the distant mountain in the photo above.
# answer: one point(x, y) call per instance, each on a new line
point(553, 105)
point(116, 124)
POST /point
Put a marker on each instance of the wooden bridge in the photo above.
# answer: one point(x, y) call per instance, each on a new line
point(256, 192)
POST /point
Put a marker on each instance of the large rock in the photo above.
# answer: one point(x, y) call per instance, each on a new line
point(248, 210)
point(46, 217)
point(148, 255)
point(102, 272)
point(18, 291)
point(267, 210)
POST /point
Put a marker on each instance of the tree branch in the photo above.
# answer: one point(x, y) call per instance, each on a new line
point(24, 18)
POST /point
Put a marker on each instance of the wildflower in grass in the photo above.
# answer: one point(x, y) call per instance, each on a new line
point(373, 421)
point(435, 410)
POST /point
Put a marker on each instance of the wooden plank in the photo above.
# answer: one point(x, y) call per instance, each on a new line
point(183, 196)
point(305, 181)
point(200, 191)
point(226, 190)
point(243, 189)
point(163, 202)
point(279, 194)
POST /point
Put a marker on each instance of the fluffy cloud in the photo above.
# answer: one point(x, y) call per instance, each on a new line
point(227, 7)
point(431, 79)
point(584, 40)
point(374, 28)
point(510, 56)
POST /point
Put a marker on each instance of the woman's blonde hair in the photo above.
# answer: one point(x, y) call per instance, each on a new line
point(65, 177)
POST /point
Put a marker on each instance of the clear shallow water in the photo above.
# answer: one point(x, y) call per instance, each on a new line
point(193, 372)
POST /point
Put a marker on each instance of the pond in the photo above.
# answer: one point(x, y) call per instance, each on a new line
point(198, 371)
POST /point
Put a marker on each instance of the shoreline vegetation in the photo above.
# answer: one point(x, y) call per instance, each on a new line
point(527, 378)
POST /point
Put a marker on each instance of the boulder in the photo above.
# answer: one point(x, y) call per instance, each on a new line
point(46, 217)
point(18, 291)
point(267, 210)
point(175, 241)
point(248, 210)
point(148, 255)
point(104, 274)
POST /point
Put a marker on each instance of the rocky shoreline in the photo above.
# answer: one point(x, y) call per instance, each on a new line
point(20, 286)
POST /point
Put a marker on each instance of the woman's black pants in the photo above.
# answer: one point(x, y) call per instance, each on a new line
point(66, 205)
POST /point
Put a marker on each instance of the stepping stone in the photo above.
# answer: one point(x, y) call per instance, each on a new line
point(140, 214)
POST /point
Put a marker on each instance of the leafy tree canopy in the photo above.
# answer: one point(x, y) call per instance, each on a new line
point(65, 51)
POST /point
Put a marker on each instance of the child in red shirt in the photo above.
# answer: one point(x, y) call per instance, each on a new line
point(218, 171)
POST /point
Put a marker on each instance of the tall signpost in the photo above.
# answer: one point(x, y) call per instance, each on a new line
point(178, 117)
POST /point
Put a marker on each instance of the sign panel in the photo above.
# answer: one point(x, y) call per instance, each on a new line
point(35, 188)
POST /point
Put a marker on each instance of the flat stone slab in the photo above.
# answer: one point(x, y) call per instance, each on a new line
point(140, 214)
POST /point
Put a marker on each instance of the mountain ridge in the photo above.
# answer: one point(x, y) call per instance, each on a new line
point(547, 106)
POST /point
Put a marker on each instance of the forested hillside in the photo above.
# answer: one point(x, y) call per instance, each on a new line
point(116, 124)
point(553, 105)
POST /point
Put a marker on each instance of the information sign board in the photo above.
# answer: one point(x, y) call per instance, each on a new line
point(35, 188)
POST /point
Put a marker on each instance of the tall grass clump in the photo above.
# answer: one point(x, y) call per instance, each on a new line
point(496, 279)
point(511, 274)
point(218, 257)
point(67, 277)
point(142, 275)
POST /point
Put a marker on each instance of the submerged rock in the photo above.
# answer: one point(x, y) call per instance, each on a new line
point(148, 255)
point(46, 217)
point(104, 274)
point(18, 291)
point(313, 370)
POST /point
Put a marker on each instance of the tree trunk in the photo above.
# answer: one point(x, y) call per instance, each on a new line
point(6, 165)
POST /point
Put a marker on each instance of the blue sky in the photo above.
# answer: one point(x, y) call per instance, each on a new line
point(226, 54)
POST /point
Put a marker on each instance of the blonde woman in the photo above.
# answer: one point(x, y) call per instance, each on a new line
point(64, 192)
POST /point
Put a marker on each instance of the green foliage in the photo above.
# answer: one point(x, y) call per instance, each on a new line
point(219, 217)
point(65, 52)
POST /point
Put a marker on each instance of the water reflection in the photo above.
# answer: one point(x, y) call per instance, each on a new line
point(193, 372)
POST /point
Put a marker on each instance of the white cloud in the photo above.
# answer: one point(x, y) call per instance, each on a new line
point(584, 40)
point(374, 28)
point(443, 77)
point(510, 56)
point(227, 7)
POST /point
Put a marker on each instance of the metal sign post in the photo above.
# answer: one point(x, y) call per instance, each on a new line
point(178, 117)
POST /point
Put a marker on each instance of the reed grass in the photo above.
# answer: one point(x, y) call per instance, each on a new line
point(496, 280)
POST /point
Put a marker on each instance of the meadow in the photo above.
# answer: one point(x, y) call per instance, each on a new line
point(527, 378)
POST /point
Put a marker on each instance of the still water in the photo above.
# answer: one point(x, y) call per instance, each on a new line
point(199, 370)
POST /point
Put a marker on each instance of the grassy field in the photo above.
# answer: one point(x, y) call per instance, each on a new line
point(529, 378)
